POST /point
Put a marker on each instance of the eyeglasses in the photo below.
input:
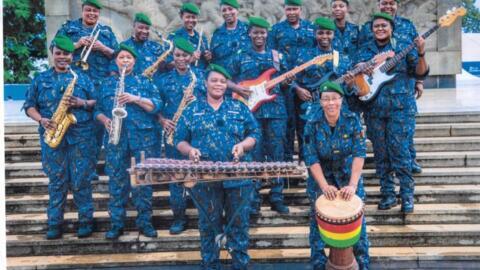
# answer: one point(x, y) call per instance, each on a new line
point(328, 100)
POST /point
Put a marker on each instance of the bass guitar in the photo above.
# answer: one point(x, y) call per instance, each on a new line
point(262, 86)
point(370, 86)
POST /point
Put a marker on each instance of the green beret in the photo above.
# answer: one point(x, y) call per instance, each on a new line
point(64, 43)
point(383, 15)
point(190, 8)
point(293, 2)
point(232, 3)
point(325, 23)
point(219, 69)
point(329, 86)
point(94, 3)
point(127, 48)
point(142, 18)
point(258, 21)
point(183, 45)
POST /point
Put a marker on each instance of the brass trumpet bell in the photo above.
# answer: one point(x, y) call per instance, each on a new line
point(83, 65)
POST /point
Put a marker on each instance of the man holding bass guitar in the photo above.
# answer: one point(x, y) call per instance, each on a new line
point(390, 116)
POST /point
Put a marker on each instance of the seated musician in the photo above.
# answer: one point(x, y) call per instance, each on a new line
point(334, 151)
point(136, 133)
point(69, 164)
point(219, 129)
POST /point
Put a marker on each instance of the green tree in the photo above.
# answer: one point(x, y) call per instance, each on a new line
point(24, 38)
point(471, 21)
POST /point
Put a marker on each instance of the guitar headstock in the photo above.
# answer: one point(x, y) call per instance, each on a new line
point(451, 16)
point(319, 60)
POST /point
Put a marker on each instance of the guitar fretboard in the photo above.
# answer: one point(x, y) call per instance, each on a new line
point(394, 61)
point(296, 70)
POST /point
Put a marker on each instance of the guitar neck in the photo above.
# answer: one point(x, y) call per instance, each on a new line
point(399, 56)
point(292, 72)
point(355, 71)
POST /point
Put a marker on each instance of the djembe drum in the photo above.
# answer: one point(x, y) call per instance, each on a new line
point(340, 225)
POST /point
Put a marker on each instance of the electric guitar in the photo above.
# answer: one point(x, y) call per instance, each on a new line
point(370, 86)
point(262, 85)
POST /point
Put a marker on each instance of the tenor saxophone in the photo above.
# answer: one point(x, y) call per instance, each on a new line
point(154, 67)
point(62, 117)
point(186, 99)
point(118, 111)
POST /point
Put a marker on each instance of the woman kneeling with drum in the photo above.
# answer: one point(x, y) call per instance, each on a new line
point(334, 151)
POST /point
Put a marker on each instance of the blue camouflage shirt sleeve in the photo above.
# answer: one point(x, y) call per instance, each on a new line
point(182, 131)
point(31, 96)
point(309, 150)
point(154, 95)
point(252, 128)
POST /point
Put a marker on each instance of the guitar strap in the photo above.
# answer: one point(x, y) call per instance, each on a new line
point(276, 59)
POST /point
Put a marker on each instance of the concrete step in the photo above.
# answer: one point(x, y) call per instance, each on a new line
point(445, 257)
point(465, 213)
point(21, 128)
point(263, 237)
point(448, 117)
point(438, 144)
point(429, 176)
point(293, 196)
point(33, 169)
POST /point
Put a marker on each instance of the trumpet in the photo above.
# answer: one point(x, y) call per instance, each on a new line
point(82, 63)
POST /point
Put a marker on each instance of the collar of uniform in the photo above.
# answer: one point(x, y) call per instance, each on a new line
point(240, 24)
point(183, 31)
point(80, 23)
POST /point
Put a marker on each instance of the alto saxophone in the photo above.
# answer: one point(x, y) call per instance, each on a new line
point(154, 67)
point(187, 93)
point(62, 117)
point(118, 111)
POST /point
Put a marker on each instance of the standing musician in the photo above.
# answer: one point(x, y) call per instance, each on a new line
point(272, 116)
point(69, 164)
point(404, 29)
point(97, 53)
point(288, 37)
point(148, 50)
point(390, 117)
point(172, 86)
point(137, 133)
point(346, 33)
point(189, 14)
point(219, 129)
point(305, 81)
point(334, 150)
point(82, 32)
point(231, 37)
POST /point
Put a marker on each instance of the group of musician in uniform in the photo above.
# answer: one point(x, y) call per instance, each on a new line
point(322, 113)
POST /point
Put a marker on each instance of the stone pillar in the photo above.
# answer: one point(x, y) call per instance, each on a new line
point(56, 13)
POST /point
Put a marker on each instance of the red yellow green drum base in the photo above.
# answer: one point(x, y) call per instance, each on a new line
point(340, 240)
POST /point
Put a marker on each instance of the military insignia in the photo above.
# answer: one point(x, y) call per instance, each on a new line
point(336, 151)
point(345, 136)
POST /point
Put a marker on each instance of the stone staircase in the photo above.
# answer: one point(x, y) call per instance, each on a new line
point(442, 233)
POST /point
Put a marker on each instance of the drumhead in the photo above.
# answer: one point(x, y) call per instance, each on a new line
point(338, 209)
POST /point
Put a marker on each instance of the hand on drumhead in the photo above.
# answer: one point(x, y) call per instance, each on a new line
point(347, 192)
point(330, 192)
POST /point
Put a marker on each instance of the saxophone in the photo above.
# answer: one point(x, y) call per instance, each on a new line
point(118, 111)
point(183, 104)
point(62, 118)
point(154, 67)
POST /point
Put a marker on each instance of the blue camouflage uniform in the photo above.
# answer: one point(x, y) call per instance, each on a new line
point(346, 41)
point(271, 116)
point(182, 32)
point(289, 41)
point(99, 64)
point(138, 134)
point(70, 164)
point(171, 86)
point(214, 133)
point(334, 151)
point(390, 120)
point(310, 78)
point(148, 53)
point(227, 42)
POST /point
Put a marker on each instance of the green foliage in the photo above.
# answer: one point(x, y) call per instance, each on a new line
point(471, 21)
point(24, 38)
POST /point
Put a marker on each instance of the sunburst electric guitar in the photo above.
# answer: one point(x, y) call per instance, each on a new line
point(369, 86)
point(262, 85)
